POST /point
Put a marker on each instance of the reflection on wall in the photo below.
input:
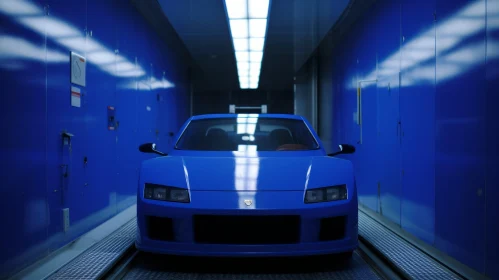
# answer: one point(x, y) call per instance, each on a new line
point(15, 49)
point(65, 35)
point(457, 55)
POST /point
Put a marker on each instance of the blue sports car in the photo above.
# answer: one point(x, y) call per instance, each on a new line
point(246, 185)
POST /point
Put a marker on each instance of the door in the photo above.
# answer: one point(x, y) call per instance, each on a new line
point(389, 141)
point(367, 164)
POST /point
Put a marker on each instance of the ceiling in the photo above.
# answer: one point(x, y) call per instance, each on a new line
point(295, 29)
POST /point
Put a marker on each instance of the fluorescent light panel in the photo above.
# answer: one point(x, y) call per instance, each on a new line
point(256, 57)
point(256, 44)
point(237, 8)
point(257, 28)
point(239, 28)
point(244, 72)
point(243, 65)
point(249, 79)
point(242, 56)
point(248, 27)
point(254, 72)
point(258, 8)
point(251, 57)
point(241, 44)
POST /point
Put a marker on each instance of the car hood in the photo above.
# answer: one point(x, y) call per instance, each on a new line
point(246, 173)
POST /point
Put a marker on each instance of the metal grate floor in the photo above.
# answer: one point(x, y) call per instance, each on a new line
point(316, 268)
point(402, 254)
point(95, 261)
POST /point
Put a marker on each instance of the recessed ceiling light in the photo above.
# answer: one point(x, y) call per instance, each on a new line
point(248, 21)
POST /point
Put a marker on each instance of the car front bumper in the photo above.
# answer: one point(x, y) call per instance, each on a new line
point(183, 238)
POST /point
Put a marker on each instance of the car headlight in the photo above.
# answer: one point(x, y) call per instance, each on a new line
point(326, 194)
point(158, 192)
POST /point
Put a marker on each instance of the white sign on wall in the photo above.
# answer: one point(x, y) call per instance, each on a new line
point(75, 97)
point(78, 69)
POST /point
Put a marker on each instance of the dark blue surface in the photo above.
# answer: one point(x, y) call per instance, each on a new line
point(436, 73)
point(417, 98)
point(492, 189)
point(36, 108)
point(219, 182)
point(460, 140)
point(388, 86)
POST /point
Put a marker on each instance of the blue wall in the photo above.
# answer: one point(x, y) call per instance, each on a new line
point(427, 145)
point(128, 67)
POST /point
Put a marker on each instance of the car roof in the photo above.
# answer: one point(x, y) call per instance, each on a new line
point(218, 116)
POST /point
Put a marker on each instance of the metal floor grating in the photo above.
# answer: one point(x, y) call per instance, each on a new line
point(95, 261)
point(163, 268)
point(401, 253)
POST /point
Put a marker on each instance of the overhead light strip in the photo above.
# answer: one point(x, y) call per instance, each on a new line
point(248, 21)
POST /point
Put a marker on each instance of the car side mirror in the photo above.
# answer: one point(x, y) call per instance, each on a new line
point(150, 148)
point(344, 149)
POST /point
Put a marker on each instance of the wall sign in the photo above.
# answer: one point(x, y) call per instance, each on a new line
point(75, 97)
point(78, 69)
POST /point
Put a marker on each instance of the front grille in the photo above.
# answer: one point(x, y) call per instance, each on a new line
point(246, 229)
point(159, 228)
point(332, 228)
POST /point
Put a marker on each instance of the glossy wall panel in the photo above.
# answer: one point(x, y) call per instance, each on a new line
point(429, 129)
point(492, 164)
point(23, 173)
point(417, 134)
point(387, 46)
point(96, 176)
point(367, 131)
point(460, 121)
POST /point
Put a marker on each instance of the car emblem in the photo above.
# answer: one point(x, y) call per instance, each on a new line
point(248, 202)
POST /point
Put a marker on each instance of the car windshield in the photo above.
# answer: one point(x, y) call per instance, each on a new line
point(247, 133)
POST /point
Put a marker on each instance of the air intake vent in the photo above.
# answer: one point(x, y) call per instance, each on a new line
point(332, 228)
point(247, 229)
point(159, 228)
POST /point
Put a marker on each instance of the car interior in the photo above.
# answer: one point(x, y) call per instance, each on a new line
point(219, 139)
